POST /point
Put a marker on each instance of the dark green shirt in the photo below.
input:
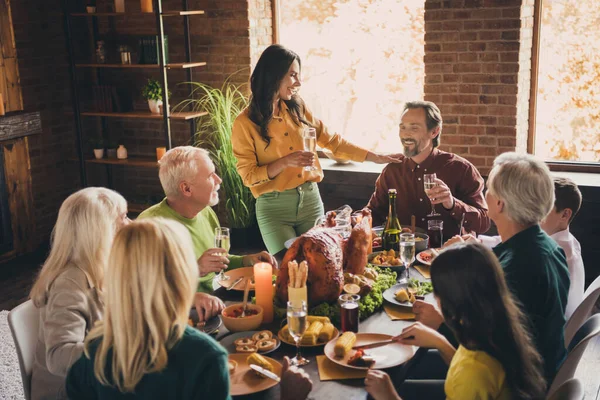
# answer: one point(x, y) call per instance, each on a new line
point(536, 273)
point(197, 369)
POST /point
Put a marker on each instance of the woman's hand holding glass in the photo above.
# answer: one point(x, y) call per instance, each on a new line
point(300, 159)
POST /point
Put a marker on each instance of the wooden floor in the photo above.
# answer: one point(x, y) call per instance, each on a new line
point(17, 276)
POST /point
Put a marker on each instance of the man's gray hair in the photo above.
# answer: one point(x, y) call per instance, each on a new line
point(177, 165)
point(524, 184)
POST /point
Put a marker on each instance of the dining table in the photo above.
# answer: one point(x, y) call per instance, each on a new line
point(347, 389)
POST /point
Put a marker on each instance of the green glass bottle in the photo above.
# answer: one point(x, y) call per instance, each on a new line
point(391, 232)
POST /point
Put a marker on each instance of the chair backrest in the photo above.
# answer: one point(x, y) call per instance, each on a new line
point(570, 390)
point(24, 323)
point(589, 330)
point(583, 311)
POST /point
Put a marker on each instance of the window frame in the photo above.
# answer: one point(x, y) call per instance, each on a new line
point(566, 166)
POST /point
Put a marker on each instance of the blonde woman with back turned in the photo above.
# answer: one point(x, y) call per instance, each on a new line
point(69, 289)
point(144, 347)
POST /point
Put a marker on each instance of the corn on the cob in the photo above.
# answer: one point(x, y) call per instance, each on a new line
point(344, 344)
point(259, 360)
point(326, 333)
point(313, 318)
point(285, 332)
point(312, 333)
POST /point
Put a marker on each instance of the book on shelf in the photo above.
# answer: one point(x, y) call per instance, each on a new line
point(149, 51)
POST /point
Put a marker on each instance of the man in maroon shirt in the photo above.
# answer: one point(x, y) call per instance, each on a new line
point(459, 186)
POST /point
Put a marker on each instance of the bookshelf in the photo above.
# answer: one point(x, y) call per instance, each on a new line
point(162, 68)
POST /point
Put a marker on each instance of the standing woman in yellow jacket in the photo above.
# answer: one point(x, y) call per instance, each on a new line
point(267, 141)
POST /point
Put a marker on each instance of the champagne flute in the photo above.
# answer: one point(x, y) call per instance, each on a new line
point(310, 144)
point(429, 183)
point(297, 325)
point(407, 251)
point(222, 240)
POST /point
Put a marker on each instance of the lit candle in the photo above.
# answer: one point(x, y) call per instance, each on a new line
point(263, 280)
point(160, 152)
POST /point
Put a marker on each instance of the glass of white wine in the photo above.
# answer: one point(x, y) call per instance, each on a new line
point(222, 241)
point(297, 325)
point(429, 183)
point(407, 251)
point(310, 143)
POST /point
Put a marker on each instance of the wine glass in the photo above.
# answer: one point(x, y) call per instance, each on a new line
point(310, 143)
point(407, 251)
point(297, 325)
point(222, 240)
point(429, 183)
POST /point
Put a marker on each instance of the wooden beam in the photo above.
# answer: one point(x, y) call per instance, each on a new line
point(10, 87)
point(17, 169)
point(535, 61)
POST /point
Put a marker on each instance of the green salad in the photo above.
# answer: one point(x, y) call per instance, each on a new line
point(421, 287)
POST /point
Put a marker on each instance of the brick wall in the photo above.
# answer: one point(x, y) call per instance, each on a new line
point(43, 67)
point(473, 68)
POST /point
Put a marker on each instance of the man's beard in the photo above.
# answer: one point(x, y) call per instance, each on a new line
point(214, 201)
point(413, 151)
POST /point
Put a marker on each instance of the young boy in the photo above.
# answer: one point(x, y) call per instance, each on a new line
point(556, 224)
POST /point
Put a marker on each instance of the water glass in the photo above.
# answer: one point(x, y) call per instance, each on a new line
point(222, 241)
point(297, 325)
point(310, 144)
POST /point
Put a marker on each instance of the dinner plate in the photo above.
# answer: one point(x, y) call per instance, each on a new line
point(336, 333)
point(244, 381)
point(375, 254)
point(422, 260)
point(211, 326)
point(390, 295)
point(387, 356)
point(288, 243)
point(228, 340)
point(246, 272)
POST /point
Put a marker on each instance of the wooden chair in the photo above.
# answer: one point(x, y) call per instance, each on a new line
point(583, 310)
point(589, 330)
point(570, 390)
point(24, 323)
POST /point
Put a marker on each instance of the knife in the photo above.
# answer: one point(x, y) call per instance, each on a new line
point(238, 280)
point(373, 345)
point(265, 372)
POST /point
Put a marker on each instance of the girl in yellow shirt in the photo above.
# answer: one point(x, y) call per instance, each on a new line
point(267, 140)
point(496, 358)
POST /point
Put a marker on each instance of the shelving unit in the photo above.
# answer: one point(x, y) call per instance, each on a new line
point(133, 161)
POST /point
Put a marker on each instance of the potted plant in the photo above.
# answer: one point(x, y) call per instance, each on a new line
point(97, 145)
point(213, 133)
point(153, 92)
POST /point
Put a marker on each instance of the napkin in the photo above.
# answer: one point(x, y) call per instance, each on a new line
point(424, 270)
point(398, 313)
point(328, 370)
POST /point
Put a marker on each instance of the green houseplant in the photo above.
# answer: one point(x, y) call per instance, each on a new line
point(213, 133)
point(153, 92)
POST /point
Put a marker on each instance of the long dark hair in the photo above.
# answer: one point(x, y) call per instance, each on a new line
point(482, 313)
point(271, 68)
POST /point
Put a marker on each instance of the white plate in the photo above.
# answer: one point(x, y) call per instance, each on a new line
point(228, 340)
point(390, 295)
point(385, 356)
point(420, 257)
point(288, 243)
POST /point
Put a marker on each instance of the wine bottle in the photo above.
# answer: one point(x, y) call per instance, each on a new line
point(391, 233)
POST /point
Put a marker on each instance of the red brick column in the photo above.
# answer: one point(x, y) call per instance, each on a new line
point(477, 72)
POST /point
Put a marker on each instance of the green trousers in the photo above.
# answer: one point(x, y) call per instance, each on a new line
point(285, 215)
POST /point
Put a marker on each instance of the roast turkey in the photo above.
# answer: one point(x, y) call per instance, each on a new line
point(328, 255)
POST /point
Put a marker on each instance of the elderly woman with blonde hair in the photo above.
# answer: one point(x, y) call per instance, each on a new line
point(68, 291)
point(144, 347)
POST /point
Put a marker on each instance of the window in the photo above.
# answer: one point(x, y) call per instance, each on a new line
point(567, 122)
point(361, 60)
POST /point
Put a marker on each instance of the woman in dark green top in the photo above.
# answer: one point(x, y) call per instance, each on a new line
point(144, 348)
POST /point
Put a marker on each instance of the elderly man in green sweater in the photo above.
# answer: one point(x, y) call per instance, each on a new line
point(191, 186)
